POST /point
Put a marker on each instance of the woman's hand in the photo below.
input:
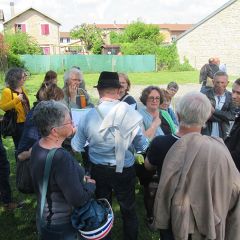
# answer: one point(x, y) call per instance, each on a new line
point(72, 89)
point(89, 180)
point(156, 121)
point(20, 96)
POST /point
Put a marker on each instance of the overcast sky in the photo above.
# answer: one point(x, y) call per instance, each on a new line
point(74, 12)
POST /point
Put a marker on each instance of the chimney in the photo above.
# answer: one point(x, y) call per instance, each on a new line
point(12, 9)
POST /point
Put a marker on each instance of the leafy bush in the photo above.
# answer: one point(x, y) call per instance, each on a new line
point(167, 57)
point(21, 43)
point(3, 54)
point(139, 47)
point(14, 60)
point(185, 66)
point(97, 46)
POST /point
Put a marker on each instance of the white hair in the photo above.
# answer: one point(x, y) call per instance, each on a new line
point(194, 109)
point(68, 74)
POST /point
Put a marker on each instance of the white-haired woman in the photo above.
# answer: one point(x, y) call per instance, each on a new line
point(66, 186)
point(75, 94)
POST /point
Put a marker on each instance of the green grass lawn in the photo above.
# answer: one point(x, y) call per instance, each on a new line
point(20, 224)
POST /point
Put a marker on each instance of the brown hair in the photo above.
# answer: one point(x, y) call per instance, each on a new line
point(49, 77)
point(146, 91)
point(54, 92)
point(125, 76)
point(51, 92)
point(165, 95)
point(237, 81)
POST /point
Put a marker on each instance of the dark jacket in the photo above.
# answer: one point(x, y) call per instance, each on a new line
point(233, 141)
point(208, 70)
point(223, 116)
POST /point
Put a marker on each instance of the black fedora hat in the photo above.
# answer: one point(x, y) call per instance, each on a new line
point(108, 80)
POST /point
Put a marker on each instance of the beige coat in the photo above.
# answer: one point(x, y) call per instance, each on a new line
point(199, 191)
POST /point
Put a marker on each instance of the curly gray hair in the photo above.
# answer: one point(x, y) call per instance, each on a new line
point(13, 77)
point(49, 114)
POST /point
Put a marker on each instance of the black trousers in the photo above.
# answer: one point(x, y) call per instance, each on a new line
point(17, 137)
point(123, 185)
point(5, 189)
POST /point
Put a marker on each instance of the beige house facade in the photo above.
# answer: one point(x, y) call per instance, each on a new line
point(217, 35)
point(69, 45)
point(41, 27)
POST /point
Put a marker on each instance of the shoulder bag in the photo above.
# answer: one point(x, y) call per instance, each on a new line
point(9, 122)
point(24, 182)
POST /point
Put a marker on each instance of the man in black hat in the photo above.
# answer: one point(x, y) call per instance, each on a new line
point(113, 131)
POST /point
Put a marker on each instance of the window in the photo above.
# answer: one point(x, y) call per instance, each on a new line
point(64, 40)
point(20, 27)
point(174, 37)
point(44, 29)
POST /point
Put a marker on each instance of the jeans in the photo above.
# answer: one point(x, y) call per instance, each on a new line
point(5, 189)
point(123, 185)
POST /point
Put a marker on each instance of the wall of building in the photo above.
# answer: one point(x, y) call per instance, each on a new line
point(33, 21)
point(217, 37)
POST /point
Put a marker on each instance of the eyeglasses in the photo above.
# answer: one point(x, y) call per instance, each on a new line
point(71, 122)
point(157, 99)
point(76, 80)
point(24, 76)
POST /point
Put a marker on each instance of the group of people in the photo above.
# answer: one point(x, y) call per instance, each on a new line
point(183, 148)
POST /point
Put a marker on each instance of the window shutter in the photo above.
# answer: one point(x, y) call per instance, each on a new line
point(46, 29)
point(23, 27)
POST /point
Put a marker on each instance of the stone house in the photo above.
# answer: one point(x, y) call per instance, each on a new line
point(217, 35)
point(44, 29)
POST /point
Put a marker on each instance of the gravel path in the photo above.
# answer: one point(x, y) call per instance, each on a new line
point(136, 90)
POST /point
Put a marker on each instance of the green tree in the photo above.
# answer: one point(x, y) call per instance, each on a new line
point(90, 35)
point(116, 38)
point(138, 30)
point(139, 47)
point(21, 43)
